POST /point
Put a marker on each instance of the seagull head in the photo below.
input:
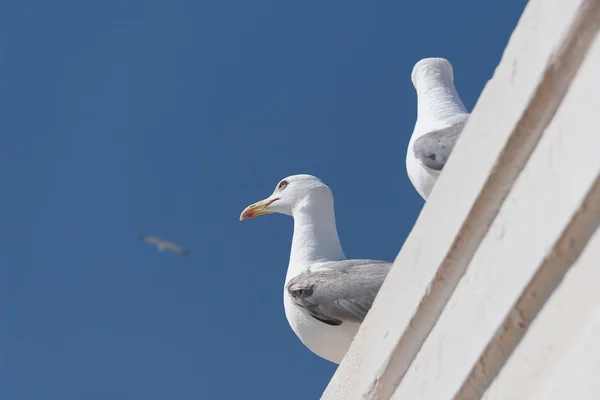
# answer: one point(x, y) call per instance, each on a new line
point(432, 68)
point(291, 194)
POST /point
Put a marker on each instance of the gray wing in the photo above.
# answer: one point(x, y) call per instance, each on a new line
point(345, 292)
point(434, 148)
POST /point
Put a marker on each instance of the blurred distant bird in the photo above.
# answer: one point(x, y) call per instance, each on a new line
point(163, 245)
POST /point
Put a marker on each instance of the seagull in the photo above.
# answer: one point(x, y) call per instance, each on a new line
point(326, 296)
point(163, 245)
point(441, 117)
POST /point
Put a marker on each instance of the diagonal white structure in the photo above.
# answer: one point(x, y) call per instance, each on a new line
point(504, 304)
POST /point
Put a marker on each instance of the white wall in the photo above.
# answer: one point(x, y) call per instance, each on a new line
point(559, 357)
point(487, 252)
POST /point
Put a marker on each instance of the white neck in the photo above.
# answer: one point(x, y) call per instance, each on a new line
point(315, 239)
point(437, 100)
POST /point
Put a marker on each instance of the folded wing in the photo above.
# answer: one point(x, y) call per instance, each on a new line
point(434, 148)
point(344, 291)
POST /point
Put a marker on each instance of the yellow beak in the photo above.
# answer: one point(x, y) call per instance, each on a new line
point(256, 209)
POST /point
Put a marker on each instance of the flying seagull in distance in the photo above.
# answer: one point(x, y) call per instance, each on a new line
point(163, 245)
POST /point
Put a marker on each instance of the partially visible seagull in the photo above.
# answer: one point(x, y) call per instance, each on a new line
point(163, 245)
point(441, 117)
point(326, 296)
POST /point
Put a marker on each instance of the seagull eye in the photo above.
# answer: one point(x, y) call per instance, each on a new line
point(282, 185)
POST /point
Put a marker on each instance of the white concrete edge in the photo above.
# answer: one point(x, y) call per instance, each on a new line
point(549, 354)
point(547, 278)
point(512, 154)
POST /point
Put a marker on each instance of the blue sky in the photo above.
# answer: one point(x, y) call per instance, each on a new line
point(168, 118)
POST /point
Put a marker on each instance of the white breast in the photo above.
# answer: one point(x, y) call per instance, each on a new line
point(329, 342)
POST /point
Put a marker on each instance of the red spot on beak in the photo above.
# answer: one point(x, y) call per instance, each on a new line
point(248, 214)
